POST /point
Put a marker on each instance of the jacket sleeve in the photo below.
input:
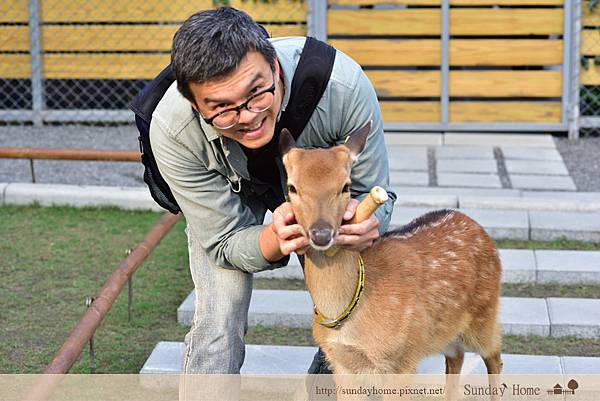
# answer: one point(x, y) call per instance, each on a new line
point(372, 167)
point(227, 229)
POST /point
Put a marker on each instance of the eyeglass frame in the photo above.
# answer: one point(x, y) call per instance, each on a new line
point(238, 109)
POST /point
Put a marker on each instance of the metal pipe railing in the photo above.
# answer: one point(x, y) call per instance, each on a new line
point(69, 154)
point(78, 338)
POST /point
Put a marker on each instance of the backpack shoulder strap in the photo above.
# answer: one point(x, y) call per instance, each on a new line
point(308, 85)
point(144, 104)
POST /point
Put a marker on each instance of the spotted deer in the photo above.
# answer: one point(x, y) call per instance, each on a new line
point(432, 286)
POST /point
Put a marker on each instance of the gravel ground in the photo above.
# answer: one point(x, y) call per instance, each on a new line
point(582, 159)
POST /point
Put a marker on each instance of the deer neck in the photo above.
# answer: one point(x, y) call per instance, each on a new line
point(332, 281)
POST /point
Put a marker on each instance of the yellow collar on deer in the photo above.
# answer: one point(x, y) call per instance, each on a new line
point(337, 322)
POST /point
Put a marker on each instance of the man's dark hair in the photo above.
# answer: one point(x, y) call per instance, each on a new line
point(212, 43)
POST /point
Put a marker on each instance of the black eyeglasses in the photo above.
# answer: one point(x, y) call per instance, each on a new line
point(256, 103)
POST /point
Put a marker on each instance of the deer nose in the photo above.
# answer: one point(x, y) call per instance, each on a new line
point(321, 233)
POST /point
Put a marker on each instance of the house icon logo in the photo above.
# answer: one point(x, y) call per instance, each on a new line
point(559, 390)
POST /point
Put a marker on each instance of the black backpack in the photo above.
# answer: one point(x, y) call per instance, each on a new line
point(309, 82)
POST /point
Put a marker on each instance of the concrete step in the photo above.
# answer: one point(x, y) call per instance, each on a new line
point(519, 266)
point(555, 317)
point(271, 359)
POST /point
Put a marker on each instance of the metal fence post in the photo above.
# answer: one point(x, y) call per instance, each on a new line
point(574, 87)
point(35, 46)
point(317, 19)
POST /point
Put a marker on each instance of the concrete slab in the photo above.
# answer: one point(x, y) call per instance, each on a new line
point(417, 138)
point(166, 358)
point(577, 317)
point(281, 308)
point(467, 166)
point(530, 167)
point(514, 140)
point(542, 182)
point(518, 265)
point(573, 365)
point(568, 196)
point(568, 267)
point(518, 153)
point(457, 191)
point(185, 311)
point(15, 170)
point(525, 364)
point(404, 215)
point(408, 163)
point(3, 186)
point(80, 196)
point(409, 178)
point(524, 316)
point(530, 203)
point(469, 180)
point(465, 152)
point(548, 226)
point(292, 271)
point(427, 201)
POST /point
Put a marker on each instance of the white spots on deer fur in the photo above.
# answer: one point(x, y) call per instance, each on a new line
point(435, 264)
point(393, 300)
point(450, 254)
point(456, 241)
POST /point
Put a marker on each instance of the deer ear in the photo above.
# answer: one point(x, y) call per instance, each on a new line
point(357, 140)
point(286, 142)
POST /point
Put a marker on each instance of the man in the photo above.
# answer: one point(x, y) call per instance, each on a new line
point(211, 134)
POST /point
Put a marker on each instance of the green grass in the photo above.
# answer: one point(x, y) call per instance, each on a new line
point(53, 258)
point(549, 245)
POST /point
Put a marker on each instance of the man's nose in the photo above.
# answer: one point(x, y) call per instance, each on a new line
point(246, 116)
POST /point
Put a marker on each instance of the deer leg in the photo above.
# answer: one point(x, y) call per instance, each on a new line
point(493, 363)
point(454, 364)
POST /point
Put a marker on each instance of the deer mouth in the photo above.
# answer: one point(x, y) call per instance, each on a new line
point(321, 236)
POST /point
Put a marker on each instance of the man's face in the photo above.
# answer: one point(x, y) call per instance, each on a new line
point(253, 75)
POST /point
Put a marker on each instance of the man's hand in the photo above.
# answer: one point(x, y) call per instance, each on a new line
point(357, 237)
point(283, 236)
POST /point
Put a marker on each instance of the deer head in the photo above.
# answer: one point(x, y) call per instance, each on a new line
point(318, 182)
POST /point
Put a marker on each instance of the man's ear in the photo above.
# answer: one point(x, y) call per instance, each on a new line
point(357, 140)
point(286, 142)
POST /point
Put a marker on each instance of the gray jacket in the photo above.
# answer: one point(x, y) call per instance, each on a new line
point(208, 174)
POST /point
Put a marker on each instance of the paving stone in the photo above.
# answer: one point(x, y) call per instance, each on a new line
point(498, 224)
point(427, 139)
point(80, 196)
point(457, 191)
point(568, 267)
point(465, 152)
point(408, 163)
point(518, 265)
point(530, 203)
point(577, 317)
point(280, 308)
point(2, 188)
point(427, 201)
point(409, 178)
point(514, 140)
point(529, 167)
point(519, 153)
point(573, 365)
point(467, 166)
point(524, 316)
point(591, 197)
point(167, 358)
point(292, 271)
point(15, 170)
point(543, 182)
point(469, 180)
point(185, 311)
point(549, 226)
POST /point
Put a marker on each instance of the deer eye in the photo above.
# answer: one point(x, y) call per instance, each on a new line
point(346, 188)
point(291, 189)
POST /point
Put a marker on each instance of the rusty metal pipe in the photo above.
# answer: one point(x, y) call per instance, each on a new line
point(69, 154)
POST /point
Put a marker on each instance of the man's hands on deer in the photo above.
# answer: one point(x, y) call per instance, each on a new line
point(357, 237)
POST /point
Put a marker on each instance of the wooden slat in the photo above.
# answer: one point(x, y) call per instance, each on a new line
point(14, 38)
point(15, 66)
point(384, 22)
point(590, 42)
point(508, 52)
point(506, 83)
point(14, 11)
point(126, 37)
point(389, 52)
point(406, 83)
point(417, 112)
point(506, 21)
point(535, 112)
point(104, 66)
point(158, 10)
point(591, 75)
point(590, 18)
point(452, 2)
